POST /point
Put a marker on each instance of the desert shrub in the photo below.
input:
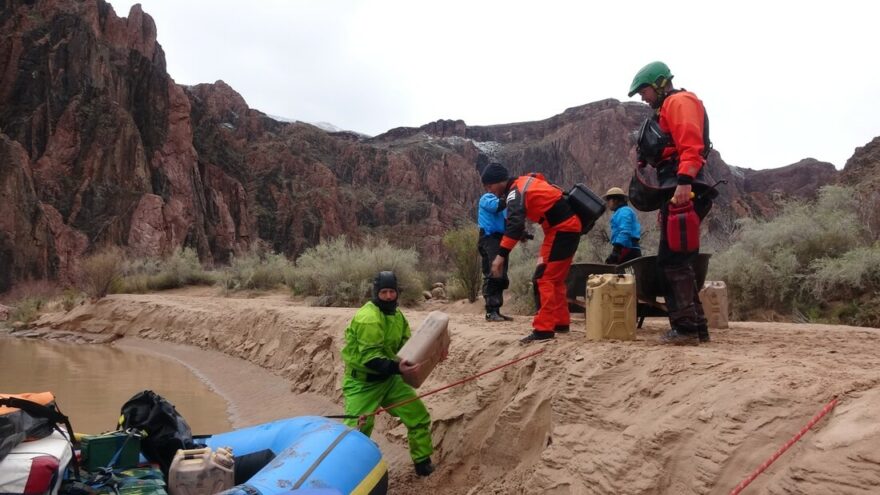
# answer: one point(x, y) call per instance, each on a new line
point(771, 263)
point(182, 267)
point(99, 271)
point(340, 273)
point(27, 310)
point(456, 290)
point(70, 299)
point(462, 246)
point(256, 271)
point(846, 277)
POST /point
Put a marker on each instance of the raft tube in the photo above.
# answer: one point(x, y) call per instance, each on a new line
point(307, 454)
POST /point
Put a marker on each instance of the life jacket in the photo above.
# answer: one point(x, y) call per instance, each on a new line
point(31, 416)
point(653, 140)
point(647, 191)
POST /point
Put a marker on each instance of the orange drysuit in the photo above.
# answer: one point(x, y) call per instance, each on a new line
point(683, 117)
point(532, 197)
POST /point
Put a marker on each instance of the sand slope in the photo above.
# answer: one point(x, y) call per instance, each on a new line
point(581, 418)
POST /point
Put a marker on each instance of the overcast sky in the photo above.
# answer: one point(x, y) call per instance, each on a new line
point(781, 80)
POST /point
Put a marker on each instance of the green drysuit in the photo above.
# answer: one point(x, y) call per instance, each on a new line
point(373, 334)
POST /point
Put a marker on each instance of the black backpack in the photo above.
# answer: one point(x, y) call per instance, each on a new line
point(166, 430)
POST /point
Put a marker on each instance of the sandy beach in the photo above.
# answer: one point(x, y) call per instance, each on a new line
point(580, 418)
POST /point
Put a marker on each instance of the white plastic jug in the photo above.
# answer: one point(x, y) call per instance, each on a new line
point(611, 307)
point(201, 472)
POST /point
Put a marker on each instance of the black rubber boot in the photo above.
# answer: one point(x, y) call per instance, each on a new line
point(506, 318)
point(536, 336)
point(494, 316)
point(677, 337)
point(425, 467)
point(562, 329)
point(703, 333)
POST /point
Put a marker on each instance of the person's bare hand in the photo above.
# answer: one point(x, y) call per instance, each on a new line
point(408, 369)
point(682, 194)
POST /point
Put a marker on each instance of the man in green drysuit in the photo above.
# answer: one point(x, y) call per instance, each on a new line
point(373, 375)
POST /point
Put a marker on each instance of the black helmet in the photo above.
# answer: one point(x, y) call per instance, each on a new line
point(384, 280)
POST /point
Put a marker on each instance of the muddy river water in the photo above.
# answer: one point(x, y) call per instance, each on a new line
point(92, 382)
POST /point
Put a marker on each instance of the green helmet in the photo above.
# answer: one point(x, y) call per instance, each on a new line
point(650, 75)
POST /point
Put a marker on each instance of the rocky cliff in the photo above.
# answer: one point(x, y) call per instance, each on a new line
point(100, 146)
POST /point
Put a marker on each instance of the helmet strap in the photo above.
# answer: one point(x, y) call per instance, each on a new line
point(660, 88)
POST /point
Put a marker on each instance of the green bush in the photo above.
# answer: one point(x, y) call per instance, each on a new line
point(181, 268)
point(256, 271)
point(811, 253)
point(27, 310)
point(70, 298)
point(340, 273)
point(856, 272)
point(462, 246)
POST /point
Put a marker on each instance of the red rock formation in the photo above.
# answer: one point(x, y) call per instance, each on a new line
point(99, 145)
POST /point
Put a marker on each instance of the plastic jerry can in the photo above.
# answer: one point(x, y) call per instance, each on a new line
point(201, 472)
point(611, 307)
point(715, 303)
point(427, 345)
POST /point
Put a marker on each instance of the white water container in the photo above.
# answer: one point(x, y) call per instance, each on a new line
point(715, 303)
point(201, 472)
point(427, 345)
point(611, 307)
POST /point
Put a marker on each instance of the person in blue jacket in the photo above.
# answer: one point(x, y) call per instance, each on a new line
point(625, 228)
point(491, 213)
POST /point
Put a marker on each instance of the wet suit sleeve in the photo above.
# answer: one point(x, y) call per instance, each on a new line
point(383, 367)
point(684, 117)
point(371, 337)
point(515, 224)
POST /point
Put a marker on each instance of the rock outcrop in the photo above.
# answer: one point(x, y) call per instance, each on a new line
point(100, 146)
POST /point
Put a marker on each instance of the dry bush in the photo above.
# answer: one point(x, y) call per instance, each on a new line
point(256, 270)
point(99, 271)
point(772, 263)
point(855, 273)
point(340, 273)
point(30, 289)
point(461, 244)
point(181, 268)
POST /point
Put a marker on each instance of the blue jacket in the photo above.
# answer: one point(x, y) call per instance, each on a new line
point(625, 228)
point(490, 214)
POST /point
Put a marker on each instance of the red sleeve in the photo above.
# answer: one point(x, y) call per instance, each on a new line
point(683, 116)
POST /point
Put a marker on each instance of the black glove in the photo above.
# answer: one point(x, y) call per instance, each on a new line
point(384, 367)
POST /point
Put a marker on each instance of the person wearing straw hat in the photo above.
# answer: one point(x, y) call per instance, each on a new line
point(625, 228)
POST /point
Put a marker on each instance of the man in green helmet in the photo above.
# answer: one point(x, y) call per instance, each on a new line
point(675, 141)
point(373, 375)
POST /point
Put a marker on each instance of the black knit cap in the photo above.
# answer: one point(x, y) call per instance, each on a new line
point(494, 173)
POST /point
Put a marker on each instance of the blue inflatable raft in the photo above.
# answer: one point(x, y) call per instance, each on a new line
point(303, 455)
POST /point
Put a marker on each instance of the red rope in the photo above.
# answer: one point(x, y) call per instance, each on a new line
point(828, 407)
point(432, 392)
